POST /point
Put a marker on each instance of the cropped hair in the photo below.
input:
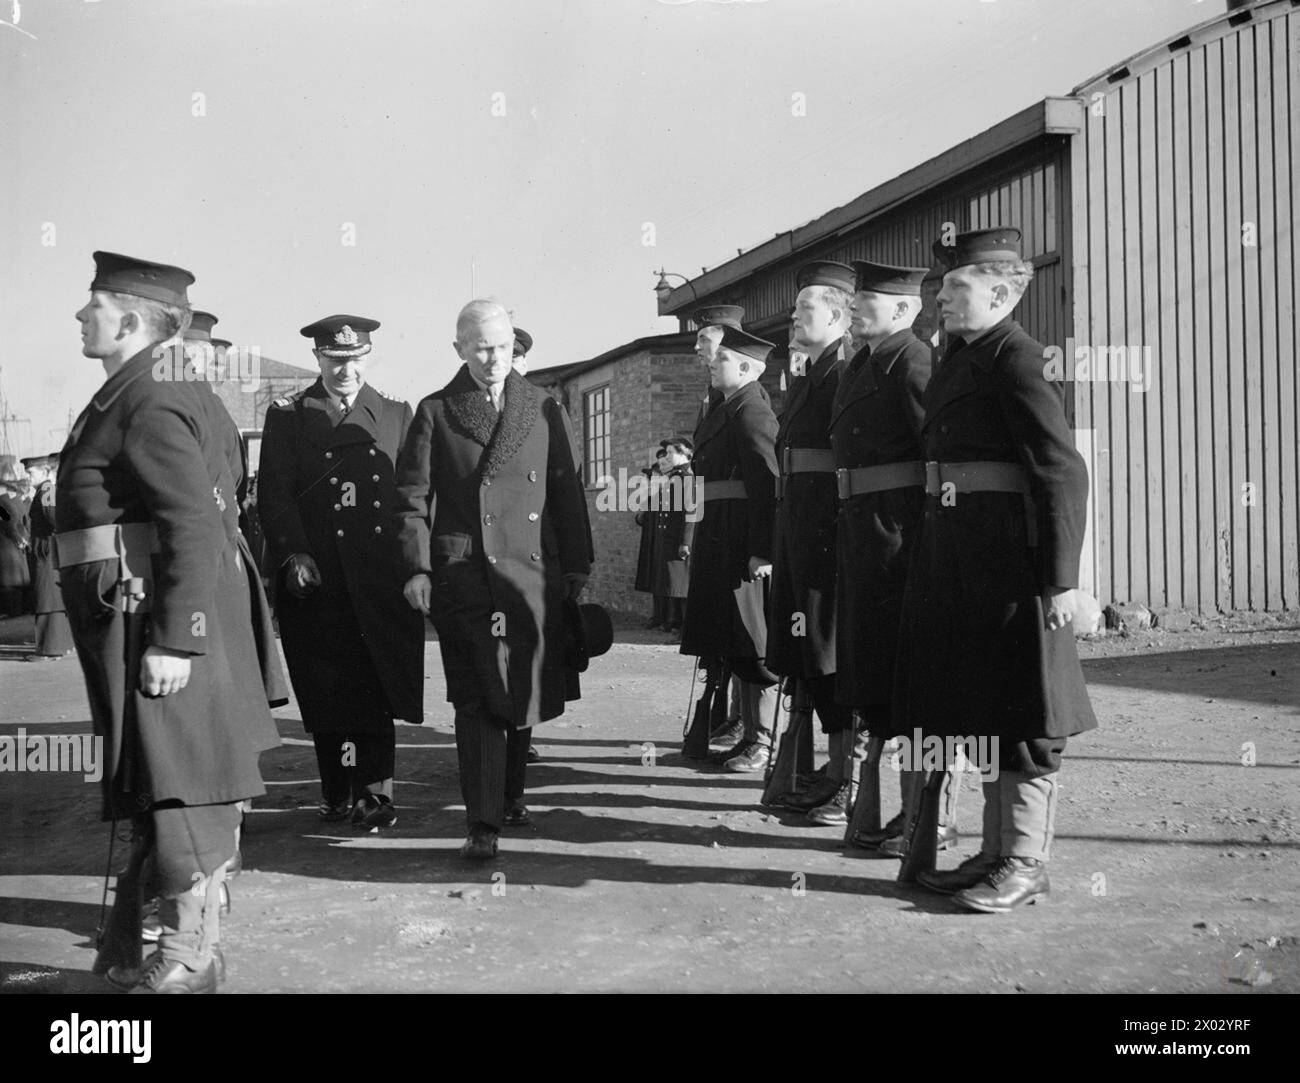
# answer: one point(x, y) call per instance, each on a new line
point(1017, 273)
point(162, 321)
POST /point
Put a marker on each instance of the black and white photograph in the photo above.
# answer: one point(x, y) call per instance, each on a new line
point(652, 497)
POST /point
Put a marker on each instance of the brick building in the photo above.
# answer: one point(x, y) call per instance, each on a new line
point(621, 404)
point(248, 399)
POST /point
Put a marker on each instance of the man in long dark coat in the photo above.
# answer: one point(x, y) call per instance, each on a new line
point(53, 635)
point(876, 435)
point(801, 627)
point(986, 646)
point(326, 498)
point(493, 540)
point(155, 595)
point(731, 545)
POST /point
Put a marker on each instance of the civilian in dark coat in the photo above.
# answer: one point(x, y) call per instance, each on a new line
point(53, 634)
point(730, 547)
point(164, 637)
point(327, 501)
point(493, 539)
point(986, 642)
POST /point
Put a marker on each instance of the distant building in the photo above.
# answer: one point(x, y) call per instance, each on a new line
point(1158, 203)
point(248, 400)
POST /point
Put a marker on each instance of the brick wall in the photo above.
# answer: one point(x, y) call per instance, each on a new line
point(653, 394)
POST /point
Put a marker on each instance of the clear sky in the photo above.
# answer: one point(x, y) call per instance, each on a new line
point(528, 140)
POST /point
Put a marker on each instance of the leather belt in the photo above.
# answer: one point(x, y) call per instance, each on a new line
point(807, 460)
point(804, 460)
point(130, 544)
point(984, 477)
point(723, 490)
point(854, 481)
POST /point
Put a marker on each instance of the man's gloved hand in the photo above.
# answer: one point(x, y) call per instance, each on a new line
point(573, 584)
point(302, 576)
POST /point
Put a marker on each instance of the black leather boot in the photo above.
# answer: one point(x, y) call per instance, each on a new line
point(1016, 880)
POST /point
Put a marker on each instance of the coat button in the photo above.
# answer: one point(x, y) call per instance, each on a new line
point(329, 454)
point(492, 560)
point(856, 430)
point(376, 503)
point(334, 481)
point(339, 533)
point(338, 507)
point(535, 556)
point(372, 451)
point(487, 481)
point(374, 477)
point(532, 475)
point(943, 428)
point(532, 516)
point(379, 530)
point(487, 519)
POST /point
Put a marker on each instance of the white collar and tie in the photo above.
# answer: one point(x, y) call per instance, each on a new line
point(343, 402)
point(496, 393)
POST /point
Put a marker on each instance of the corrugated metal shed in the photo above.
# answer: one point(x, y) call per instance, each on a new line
point(1183, 214)
point(1158, 204)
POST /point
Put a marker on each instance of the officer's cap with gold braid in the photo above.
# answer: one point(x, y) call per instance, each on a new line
point(886, 278)
point(979, 246)
point(341, 336)
point(745, 344)
point(718, 316)
point(115, 273)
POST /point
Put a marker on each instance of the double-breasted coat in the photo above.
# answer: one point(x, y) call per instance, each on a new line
point(726, 611)
point(326, 487)
point(142, 452)
point(974, 656)
point(876, 420)
point(491, 512)
point(801, 629)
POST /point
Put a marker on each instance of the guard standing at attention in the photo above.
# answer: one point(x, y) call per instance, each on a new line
point(156, 598)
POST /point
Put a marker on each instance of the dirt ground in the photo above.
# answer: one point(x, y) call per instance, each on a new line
point(1174, 868)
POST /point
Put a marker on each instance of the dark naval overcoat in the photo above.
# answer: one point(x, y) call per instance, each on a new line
point(726, 615)
point(327, 487)
point(876, 419)
point(801, 629)
point(492, 512)
point(974, 656)
point(140, 452)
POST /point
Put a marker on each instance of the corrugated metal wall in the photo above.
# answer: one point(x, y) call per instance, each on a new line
point(1027, 194)
point(1183, 165)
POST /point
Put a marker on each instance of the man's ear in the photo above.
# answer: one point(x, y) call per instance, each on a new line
point(130, 323)
point(1001, 294)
